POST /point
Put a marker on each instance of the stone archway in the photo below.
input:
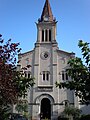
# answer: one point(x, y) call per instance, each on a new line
point(45, 108)
point(44, 97)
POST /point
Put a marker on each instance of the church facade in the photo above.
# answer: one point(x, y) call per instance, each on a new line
point(48, 64)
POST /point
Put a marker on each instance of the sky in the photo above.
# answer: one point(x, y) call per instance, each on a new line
point(18, 17)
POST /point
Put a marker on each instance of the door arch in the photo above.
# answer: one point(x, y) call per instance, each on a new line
point(45, 108)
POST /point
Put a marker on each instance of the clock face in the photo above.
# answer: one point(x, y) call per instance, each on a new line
point(46, 18)
point(45, 55)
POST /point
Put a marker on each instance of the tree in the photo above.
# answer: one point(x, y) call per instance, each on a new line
point(79, 71)
point(72, 111)
point(22, 107)
point(85, 117)
point(12, 82)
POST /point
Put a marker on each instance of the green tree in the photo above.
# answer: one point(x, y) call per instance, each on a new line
point(79, 72)
point(85, 117)
point(12, 82)
point(22, 107)
point(72, 112)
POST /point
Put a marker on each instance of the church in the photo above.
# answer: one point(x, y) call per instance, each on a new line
point(48, 64)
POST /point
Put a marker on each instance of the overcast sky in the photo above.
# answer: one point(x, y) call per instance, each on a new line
point(18, 17)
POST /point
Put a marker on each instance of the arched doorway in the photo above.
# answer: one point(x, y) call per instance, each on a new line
point(45, 108)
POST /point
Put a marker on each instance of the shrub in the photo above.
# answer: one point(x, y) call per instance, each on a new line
point(60, 118)
point(85, 117)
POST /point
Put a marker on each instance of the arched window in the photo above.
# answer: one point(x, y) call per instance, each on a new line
point(49, 35)
point(46, 75)
point(64, 75)
point(27, 74)
point(46, 35)
point(42, 35)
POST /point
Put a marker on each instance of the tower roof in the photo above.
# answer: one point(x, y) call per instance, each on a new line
point(47, 12)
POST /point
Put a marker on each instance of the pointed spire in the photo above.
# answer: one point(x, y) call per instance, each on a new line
point(47, 12)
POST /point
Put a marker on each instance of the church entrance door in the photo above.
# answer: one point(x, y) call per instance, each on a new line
point(45, 108)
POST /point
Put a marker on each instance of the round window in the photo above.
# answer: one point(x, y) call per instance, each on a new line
point(44, 55)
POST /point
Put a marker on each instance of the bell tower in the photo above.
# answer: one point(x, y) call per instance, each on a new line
point(46, 26)
point(46, 47)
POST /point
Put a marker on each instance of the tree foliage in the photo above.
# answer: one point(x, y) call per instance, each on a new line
point(22, 106)
point(74, 112)
point(79, 71)
point(85, 117)
point(12, 82)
